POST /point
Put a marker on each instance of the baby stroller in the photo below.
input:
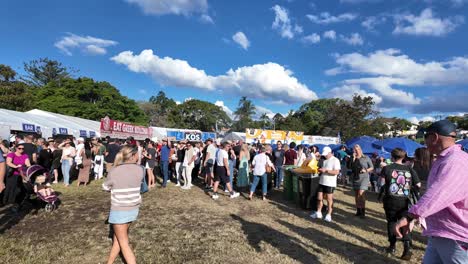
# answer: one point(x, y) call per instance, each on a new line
point(35, 179)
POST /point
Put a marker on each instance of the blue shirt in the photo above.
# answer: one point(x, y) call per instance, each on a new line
point(165, 153)
point(2, 159)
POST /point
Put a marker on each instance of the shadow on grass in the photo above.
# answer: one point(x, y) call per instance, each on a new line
point(287, 245)
point(351, 252)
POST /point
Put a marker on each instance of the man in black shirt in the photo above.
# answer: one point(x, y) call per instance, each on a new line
point(111, 151)
point(180, 160)
point(400, 180)
point(30, 149)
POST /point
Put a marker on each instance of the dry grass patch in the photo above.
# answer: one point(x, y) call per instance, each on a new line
point(177, 226)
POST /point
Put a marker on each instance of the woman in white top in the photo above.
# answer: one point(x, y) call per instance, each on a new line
point(301, 156)
point(259, 171)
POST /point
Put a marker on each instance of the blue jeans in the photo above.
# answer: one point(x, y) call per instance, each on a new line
point(165, 171)
point(279, 176)
point(255, 183)
point(444, 250)
point(66, 165)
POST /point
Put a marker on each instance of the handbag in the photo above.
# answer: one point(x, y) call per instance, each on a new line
point(267, 167)
point(144, 185)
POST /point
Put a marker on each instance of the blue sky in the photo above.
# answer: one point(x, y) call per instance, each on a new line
point(410, 55)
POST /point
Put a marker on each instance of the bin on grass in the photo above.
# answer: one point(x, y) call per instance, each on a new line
point(306, 196)
point(288, 182)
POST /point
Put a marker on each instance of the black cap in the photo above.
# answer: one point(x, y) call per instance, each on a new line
point(442, 127)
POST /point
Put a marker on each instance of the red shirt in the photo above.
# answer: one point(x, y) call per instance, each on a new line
point(290, 156)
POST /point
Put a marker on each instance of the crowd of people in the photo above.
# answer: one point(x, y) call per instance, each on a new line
point(237, 167)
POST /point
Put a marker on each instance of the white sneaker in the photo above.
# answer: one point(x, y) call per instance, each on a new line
point(185, 187)
point(226, 191)
point(234, 195)
point(215, 197)
point(178, 184)
point(316, 215)
point(328, 218)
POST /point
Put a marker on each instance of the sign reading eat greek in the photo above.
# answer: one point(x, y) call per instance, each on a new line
point(29, 128)
point(193, 136)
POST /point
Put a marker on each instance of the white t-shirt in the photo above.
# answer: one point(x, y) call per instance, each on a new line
point(259, 162)
point(330, 164)
point(212, 153)
point(222, 154)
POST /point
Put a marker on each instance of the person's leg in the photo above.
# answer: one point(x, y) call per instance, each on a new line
point(101, 167)
point(254, 185)
point(231, 172)
point(329, 197)
point(356, 201)
point(319, 202)
point(391, 220)
point(451, 251)
point(215, 187)
point(431, 256)
point(56, 175)
point(121, 232)
point(362, 195)
point(280, 177)
point(264, 185)
point(178, 176)
point(66, 172)
point(165, 168)
point(114, 251)
point(188, 176)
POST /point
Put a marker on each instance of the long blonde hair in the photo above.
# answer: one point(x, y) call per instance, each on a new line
point(245, 149)
point(125, 154)
point(358, 151)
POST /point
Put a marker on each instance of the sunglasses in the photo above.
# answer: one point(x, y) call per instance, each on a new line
point(20, 148)
point(428, 134)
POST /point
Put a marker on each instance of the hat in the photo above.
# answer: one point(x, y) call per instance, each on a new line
point(442, 127)
point(326, 151)
point(80, 139)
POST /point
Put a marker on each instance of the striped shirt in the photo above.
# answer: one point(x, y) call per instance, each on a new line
point(444, 207)
point(124, 183)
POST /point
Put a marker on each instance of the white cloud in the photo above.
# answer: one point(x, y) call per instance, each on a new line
point(325, 18)
point(206, 19)
point(330, 34)
point(260, 110)
point(347, 92)
point(388, 68)
point(426, 24)
point(415, 120)
point(178, 102)
point(353, 39)
point(312, 38)
point(241, 39)
point(265, 81)
point(87, 44)
point(226, 109)
point(371, 22)
point(283, 23)
point(176, 7)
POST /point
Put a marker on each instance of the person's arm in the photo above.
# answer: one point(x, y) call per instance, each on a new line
point(270, 163)
point(107, 185)
point(370, 165)
point(2, 176)
point(27, 163)
point(207, 157)
point(226, 165)
point(34, 157)
point(194, 157)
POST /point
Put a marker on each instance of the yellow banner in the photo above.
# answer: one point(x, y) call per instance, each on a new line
point(272, 136)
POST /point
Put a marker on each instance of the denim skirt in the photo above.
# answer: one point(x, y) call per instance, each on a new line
point(123, 216)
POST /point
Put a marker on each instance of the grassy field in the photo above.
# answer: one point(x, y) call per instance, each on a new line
point(177, 226)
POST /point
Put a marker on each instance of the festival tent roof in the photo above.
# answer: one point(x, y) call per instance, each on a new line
point(463, 143)
point(389, 144)
point(232, 137)
point(360, 139)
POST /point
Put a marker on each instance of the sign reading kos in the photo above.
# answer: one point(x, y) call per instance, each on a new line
point(193, 136)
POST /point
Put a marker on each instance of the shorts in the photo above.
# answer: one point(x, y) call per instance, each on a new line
point(325, 189)
point(209, 168)
point(361, 182)
point(221, 174)
point(123, 216)
point(149, 165)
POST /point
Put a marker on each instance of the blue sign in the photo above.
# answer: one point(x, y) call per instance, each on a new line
point(54, 131)
point(63, 131)
point(29, 128)
point(83, 133)
point(92, 134)
point(38, 130)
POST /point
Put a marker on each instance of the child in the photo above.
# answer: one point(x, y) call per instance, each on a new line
point(41, 188)
point(400, 180)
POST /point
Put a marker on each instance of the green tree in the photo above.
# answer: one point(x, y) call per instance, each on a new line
point(42, 71)
point(6, 73)
point(244, 113)
point(86, 98)
point(158, 108)
point(197, 114)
